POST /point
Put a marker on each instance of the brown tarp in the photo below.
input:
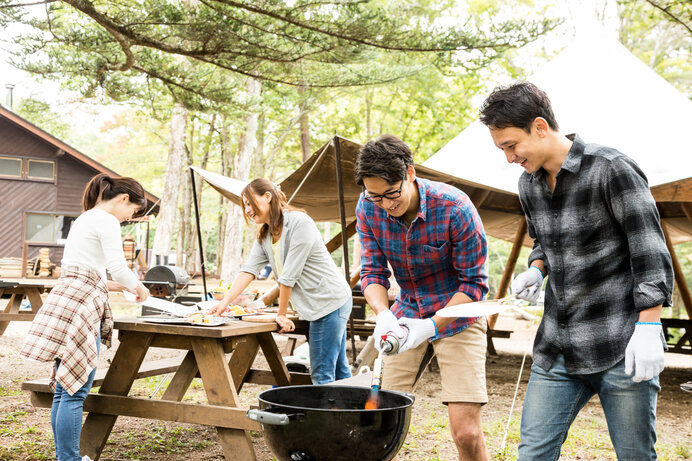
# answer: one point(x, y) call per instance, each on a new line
point(317, 193)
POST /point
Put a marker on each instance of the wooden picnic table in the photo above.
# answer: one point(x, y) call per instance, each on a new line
point(19, 289)
point(222, 380)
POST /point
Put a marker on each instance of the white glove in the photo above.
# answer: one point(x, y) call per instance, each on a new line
point(386, 323)
point(527, 285)
point(644, 353)
point(418, 331)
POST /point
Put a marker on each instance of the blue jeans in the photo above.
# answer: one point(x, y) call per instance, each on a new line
point(328, 360)
point(553, 399)
point(66, 416)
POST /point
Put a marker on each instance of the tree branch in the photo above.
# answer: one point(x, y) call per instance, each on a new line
point(671, 15)
point(20, 5)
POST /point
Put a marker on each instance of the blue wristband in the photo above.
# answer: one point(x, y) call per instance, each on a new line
point(648, 323)
point(433, 321)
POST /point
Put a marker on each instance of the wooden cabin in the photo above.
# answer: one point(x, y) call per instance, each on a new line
point(41, 184)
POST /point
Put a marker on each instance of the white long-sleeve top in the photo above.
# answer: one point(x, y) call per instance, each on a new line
point(95, 242)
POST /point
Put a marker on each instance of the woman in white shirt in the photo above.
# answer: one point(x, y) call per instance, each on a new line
point(76, 315)
point(290, 242)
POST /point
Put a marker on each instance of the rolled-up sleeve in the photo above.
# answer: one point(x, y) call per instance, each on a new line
point(256, 261)
point(634, 209)
point(469, 250)
point(373, 262)
point(537, 252)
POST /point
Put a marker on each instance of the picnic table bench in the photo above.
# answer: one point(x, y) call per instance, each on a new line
point(222, 379)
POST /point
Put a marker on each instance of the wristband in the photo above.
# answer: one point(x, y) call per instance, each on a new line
point(648, 323)
point(540, 271)
point(433, 321)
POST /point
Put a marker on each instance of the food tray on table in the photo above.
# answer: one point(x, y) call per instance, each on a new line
point(168, 320)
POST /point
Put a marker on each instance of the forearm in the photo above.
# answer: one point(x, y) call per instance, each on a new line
point(376, 296)
point(458, 298)
point(115, 286)
point(652, 314)
point(242, 280)
point(284, 297)
point(540, 265)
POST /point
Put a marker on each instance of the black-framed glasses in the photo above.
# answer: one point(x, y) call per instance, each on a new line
point(389, 195)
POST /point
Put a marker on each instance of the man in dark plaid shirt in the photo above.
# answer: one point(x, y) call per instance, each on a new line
point(432, 236)
point(597, 234)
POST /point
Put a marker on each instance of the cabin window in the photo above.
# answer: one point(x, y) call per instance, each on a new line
point(41, 169)
point(11, 167)
point(47, 228)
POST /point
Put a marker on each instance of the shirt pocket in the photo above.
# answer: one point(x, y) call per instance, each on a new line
point(588, 232)
point(433, 259)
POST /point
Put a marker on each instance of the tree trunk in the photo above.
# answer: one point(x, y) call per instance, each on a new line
point(169, 199)
point(304, 126)
point(235, 224)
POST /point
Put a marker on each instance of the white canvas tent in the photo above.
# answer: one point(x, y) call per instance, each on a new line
point(608, 96)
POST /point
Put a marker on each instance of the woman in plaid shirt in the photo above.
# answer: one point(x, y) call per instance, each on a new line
point(76, 314)
point(597, 234)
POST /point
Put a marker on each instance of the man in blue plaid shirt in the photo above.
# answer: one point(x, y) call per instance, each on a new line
point(432, 237)
point(597, 234)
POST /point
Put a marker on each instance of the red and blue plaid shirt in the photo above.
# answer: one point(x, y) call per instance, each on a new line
point(443, 252)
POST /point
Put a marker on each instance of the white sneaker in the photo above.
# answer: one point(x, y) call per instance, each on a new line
point(86, 458)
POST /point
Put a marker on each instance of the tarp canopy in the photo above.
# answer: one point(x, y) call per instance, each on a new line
point(317, 192)
point(608, 96)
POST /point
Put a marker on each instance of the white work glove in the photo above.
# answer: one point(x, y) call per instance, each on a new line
point(644, 353)
point(386, 323)
point(418, 331)
point(527, 285)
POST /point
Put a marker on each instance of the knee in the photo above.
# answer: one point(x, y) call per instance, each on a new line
point(468, 438)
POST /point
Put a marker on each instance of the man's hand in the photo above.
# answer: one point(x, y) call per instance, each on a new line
point(527, 285)
point(418, 331)
point(644, 353)
point(386, 323)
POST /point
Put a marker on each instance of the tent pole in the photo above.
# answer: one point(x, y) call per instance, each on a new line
point(679, 276)
point(199, 235)
point(509, 267)
point(344, 236)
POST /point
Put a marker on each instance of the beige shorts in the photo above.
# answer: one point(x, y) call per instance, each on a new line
point(462, 366)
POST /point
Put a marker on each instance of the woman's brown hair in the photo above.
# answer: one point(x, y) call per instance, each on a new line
point(103, 187)
point(278, 204)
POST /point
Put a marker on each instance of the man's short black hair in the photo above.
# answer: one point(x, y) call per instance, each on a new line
point(517, 105)
point(387, 157)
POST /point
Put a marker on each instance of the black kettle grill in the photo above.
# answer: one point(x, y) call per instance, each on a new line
point(166, 281)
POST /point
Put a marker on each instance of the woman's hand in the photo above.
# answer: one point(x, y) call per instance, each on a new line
point(219, 308)
point(286, 325)
point(142, 292)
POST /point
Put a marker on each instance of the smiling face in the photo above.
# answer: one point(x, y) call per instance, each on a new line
point(407, 202)
point(522, 148)
point(259, 213)
point(123, 209)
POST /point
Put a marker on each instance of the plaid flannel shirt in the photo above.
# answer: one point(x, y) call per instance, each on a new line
point(443, 252)
point(66, 327)
point(600, 237)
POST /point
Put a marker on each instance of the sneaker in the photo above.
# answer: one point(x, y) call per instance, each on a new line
point(86, 458)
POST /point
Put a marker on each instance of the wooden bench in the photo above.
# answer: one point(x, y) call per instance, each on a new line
point(684, 343)
point(42, 395)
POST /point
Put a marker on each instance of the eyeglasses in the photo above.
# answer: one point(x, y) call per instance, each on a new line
point(389, 195)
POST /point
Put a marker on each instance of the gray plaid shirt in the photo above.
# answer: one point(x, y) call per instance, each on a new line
point(600, 237)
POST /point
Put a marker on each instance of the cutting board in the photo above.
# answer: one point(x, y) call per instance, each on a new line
point(266, 318)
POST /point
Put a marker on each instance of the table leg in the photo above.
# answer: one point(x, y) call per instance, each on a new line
point(181, 380)
point(118, 381)
point(276, 362)
point(34, 296)
point(242, 359)
point(11, 308)
point(221, 390)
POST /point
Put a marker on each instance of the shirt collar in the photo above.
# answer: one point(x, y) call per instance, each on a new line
point(572, 162)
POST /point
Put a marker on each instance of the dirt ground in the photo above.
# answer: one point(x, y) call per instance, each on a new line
point(25, 431)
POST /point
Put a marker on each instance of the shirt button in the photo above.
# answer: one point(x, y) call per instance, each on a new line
point(555, 215)
point(555, 243)
point(561, 325)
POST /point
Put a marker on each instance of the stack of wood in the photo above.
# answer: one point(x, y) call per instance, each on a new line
point(44, 262)
point(11, 268)
point(129, 250)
